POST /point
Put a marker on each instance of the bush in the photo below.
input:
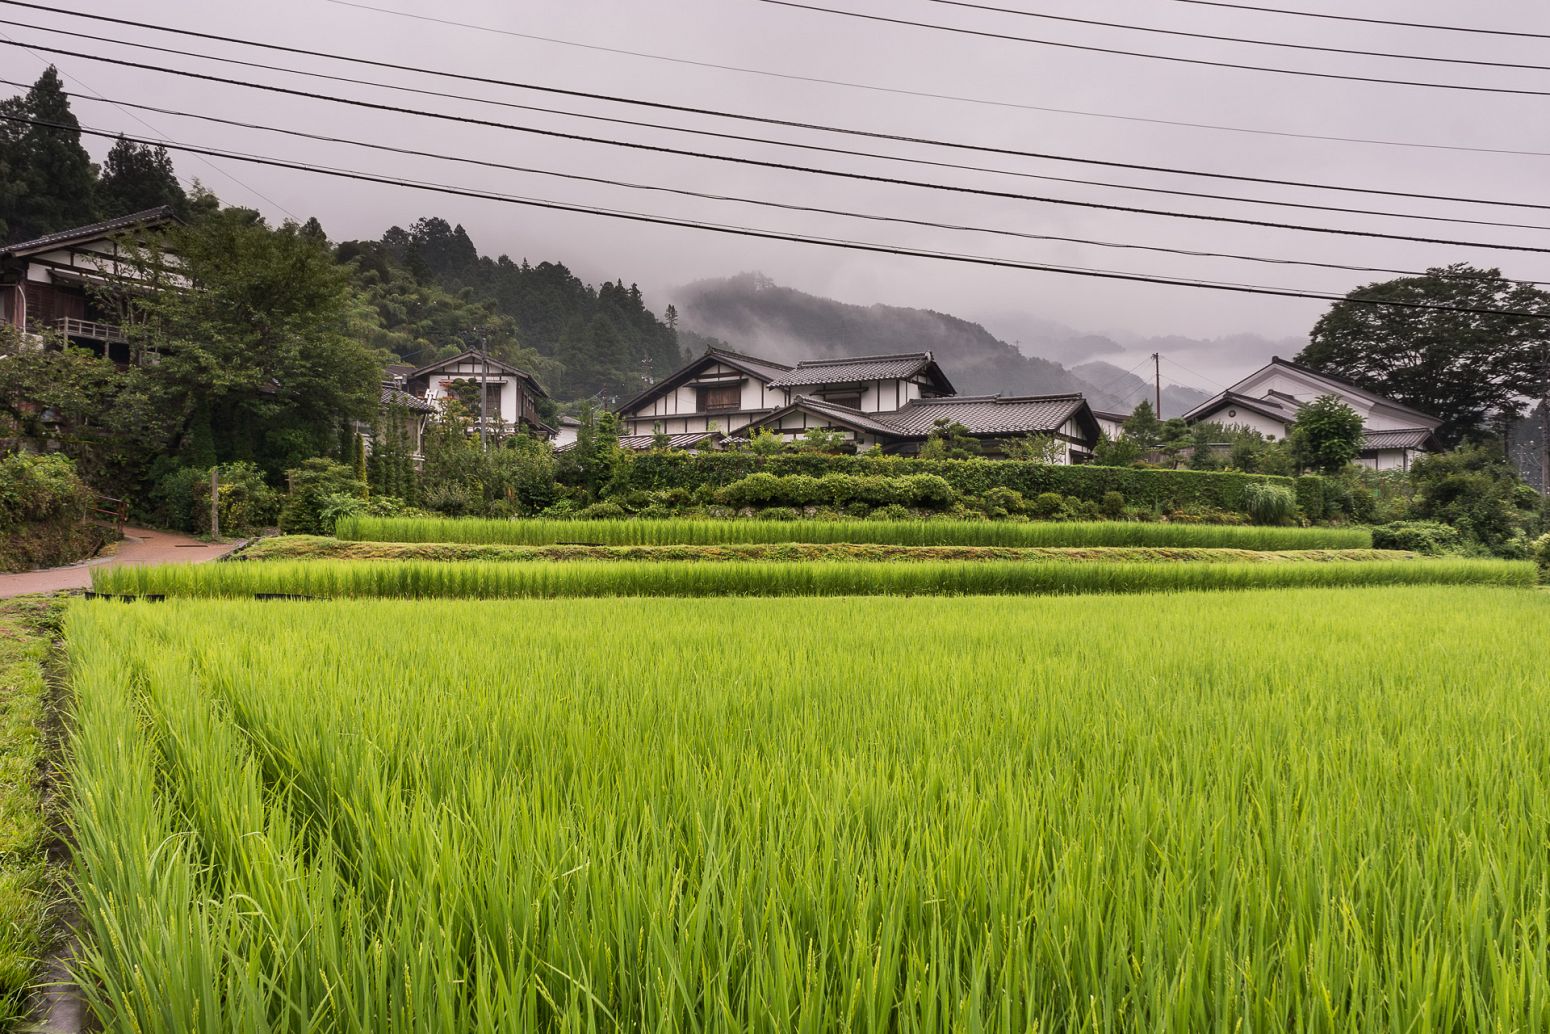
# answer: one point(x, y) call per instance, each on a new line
point(1048, 506)
point(247, 503)
point(1112, 505)
point(601, 512)
point(1156, 490)
point(43, 511)
point(1541, 554)
point(311, 486)
point(927, 491)
point(1428, 537)
point(1270, 504)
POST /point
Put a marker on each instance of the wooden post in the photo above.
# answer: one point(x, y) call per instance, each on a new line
point(215, 502)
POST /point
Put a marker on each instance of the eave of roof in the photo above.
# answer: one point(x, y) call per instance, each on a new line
point(1399, 438)
point(997, 416)
point(1261, 406)
point(1341, 382)
point(764, 369)
point(94, 231)
point(498, 364)
point(860, 369)
point(393, 395)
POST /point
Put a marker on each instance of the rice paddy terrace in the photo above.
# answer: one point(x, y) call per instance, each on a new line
point(551, 778)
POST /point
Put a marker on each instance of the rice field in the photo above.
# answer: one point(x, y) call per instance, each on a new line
point(535, 532)
point(556, 579)
point(1315, 810)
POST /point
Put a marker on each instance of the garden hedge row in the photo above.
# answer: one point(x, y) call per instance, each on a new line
point(1164, 489)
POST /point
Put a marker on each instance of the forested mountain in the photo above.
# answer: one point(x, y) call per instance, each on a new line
point(436, 293)
point(752, 313)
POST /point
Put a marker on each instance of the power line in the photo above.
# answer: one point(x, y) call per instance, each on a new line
point(1148, 55)
point(852, 153)
point(1239, 39)
point(1369, 21)
point(772, 235)
point(928, 95)
point(706, 195)
point(786, 166)
point(712, 112)
point(125, 109)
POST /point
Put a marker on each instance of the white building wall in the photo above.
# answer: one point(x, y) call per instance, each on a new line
point(1375, 416)
point(678, 411)
point(1247, 420)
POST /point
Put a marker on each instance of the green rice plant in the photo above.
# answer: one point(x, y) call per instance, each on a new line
point(554, 579)
point(1313, 810)
point(904, 533)
point(321, 547)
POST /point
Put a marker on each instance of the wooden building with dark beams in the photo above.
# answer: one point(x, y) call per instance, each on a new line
point(57, 282)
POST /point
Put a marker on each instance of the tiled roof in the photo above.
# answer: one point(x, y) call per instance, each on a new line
point(988, 414)
point(872, 422)
point(1273, 407)
point(91, 232)
point(642, 442)
point(764, 369)
point(858, 368)
point(392, 396)
point(1405, 438)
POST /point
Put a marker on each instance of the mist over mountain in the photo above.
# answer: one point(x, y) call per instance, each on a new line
point(1128, 388)
point(751, 313)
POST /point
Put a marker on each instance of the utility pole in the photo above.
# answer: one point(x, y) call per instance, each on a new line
point(484, 393)
point(1157, 380)
point(215, 502)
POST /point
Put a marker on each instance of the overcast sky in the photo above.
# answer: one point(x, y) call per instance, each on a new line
point(755, 35)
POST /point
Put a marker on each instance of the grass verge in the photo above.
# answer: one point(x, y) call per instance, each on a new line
point(901, 533)
point(320, 547)
point(26, 626)
point(554, 579)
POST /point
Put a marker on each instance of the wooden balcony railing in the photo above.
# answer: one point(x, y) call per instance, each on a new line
point(90, 329)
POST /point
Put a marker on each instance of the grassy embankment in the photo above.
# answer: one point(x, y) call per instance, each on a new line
point(1317, 809)
point(900, 533)
point(26, 626)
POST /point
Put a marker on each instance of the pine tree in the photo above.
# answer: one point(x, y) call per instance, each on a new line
point(136, 177)
point(57, 184)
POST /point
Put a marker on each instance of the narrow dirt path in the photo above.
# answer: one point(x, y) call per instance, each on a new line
point(140, 546)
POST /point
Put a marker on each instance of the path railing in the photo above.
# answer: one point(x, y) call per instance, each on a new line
point(107, 509)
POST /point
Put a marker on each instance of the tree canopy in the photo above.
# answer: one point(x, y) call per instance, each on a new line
point(1460, 366)
point(1326, 435)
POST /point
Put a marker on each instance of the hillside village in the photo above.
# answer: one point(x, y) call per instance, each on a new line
point(399, 636)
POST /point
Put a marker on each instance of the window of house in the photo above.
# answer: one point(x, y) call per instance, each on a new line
point(729, 396)
point(851, 399)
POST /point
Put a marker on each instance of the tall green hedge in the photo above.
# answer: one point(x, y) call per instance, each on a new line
point(1166, 489)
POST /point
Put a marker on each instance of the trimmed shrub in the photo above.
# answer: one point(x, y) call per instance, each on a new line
point(1270, 504)
point(1112, 505)
point(1427, 537)
point(1048, 505)
point(1159, 490)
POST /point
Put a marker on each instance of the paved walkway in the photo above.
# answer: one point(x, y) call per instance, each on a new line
point(140, 546)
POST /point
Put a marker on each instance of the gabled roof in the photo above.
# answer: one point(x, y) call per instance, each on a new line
point(496, 365)
point(1272, 407)
point(994, 415)
point(1341, 384)
point(765, 370)
point(983, 415)
point(1404, 438)
point(150, 217)
point(845, 416)
point(899, 366)
point(395, 396)
point(643, 442)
